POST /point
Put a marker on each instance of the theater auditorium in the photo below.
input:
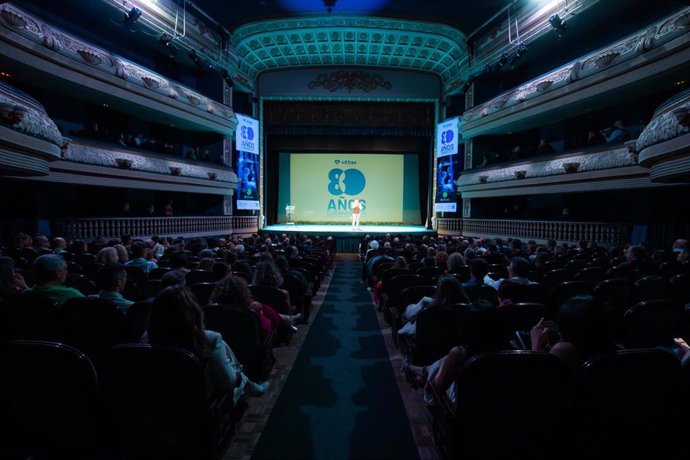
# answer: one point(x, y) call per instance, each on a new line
point(344, 229)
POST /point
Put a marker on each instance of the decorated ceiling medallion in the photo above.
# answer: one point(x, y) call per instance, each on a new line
point(357, 80)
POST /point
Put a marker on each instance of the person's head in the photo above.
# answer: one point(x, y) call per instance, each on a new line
point(41, 242)
point(634, 253)
point(122, 254)
point(78, 247)
point(58, 243)
point(242, 267)
point(112, 278)
point(50, 269)
point(449, 291)
point(6, 273)
point(519, 267)
point(618, 124)
point(478, 268)
point(22, 240)
point(441, 259)
point(282, 264)
point(174, 278)
point(107, 256)
point(267, 274)
point(178, 259)
point(587, 325)
point(455, 262)
point(206, 264)
point(400, 262)
point(232, 290)
point(485, 330)
point(374, 245)
point(139, 249)
point(177, 320)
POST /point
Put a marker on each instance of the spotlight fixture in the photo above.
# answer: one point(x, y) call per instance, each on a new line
point(329, 4)
point(195, 59)
point(167, 41)
point(502, 61)
point(132, 17)
point(521, 50)
point(559, 25)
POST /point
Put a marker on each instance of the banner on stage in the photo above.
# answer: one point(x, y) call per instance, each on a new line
point(447, 138)
point(247, 134)
point(447, 169)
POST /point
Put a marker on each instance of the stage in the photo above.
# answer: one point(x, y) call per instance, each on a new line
point(346, 238)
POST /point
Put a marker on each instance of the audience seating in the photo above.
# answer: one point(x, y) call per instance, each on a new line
point(157, 273)
point(509, 405)
point(650, 287)
point(616, 292)
point(564, 291)
point(483, 292)
point(157, 401)
point(271, 296)
point(200, 276)
point(32, 317)
point(626, 403)
point(557, 276)
point(652, 323)
point(410, 295)
point(81, 283)
point(136, 321)
point(203, 291)
point(429, 273)
point(394, 288)
point(240, 330)
point(52, 398)
point(522, 316)
point(592, 275)
point(93, 325)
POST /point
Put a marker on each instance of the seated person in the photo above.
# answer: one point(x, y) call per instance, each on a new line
point(11, 282)
point(58, 245)
point(485, 334)
point(518, 272)
point(177, 320)
point(585, 328)
point(50, 271)
point(545, 147)
point(478, 270)
point(617, 133)
point(447, 293)
point(139, 260)
point(112, 280)
point(107, 256)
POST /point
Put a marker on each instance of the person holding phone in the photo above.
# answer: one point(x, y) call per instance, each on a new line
point(585, 330)
point(356, 211)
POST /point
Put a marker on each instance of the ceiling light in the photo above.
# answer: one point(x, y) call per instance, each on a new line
point(132, 17)
point(559, 25)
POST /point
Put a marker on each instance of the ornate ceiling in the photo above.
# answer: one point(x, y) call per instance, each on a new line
point(349, 40)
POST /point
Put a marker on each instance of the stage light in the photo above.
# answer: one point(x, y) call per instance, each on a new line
point(167, 41)
point(502, 61)
point(559, 25)
point(521, 50)
point(132, 17)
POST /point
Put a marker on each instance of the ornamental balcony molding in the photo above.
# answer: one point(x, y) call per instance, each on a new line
point(598, 62)
point(670, 120)
point(571, 164)
point(101, 61)
point(349, 40)
point(29, 139)
point(24, 114)
point(88, 153)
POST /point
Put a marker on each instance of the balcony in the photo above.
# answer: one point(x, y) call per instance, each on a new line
point(603, 233)
point(145, 227)
point(664, 144)
point(635, 65)
point(608, 167)
point(45, 56)
point(29, 139)
point(93, 163)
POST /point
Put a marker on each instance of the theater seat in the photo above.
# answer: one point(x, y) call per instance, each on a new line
point(32, 317)
point(652, 323)
point(51, 394)
point(509, 405)
point(93, 325)
point(156, 398)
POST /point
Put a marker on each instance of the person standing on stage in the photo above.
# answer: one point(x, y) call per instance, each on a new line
point(356, 209)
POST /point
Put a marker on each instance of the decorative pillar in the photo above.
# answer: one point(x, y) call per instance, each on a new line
point(469, 143)
point(469, 97)
point(466, 208)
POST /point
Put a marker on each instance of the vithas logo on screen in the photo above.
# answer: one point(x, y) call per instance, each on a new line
point(447, 144)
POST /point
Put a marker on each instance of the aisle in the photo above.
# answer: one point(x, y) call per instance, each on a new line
point(341, 399)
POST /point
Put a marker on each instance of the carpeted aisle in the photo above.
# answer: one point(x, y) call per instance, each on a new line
point(341, 400)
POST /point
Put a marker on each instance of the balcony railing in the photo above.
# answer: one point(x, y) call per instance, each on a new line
point(539, 230)
point(145, 227)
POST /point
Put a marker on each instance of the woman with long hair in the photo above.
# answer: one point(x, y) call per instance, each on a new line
point(177, 320)
point(448, 292)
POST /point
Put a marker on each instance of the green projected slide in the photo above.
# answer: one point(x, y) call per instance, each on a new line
point(323, 186)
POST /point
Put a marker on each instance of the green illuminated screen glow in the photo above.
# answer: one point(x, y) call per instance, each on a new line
point(322, 187)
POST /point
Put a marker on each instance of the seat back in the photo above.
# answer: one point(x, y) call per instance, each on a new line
point(592, 275)
point(93, 325)
point(156, 398)
point(557, 276)
point(438, 330)
point(616, 292)
point(203, 291)
point(136, 321)
point(51, 393)
point(32, 317)
point(652, 323)
point(680, 288)
point(527, 293)
point(625, 401)
point(502, 386)
point(650, 288)
point(157, 273)
point(241, 331)
point(387, 275)
point(483, 292)
point(522, 316)
point(397, 284)
point(567, 290)
point(200, 276)
point(414, 294)
point(81, 283)
point(429, 273)
point(271, 296)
